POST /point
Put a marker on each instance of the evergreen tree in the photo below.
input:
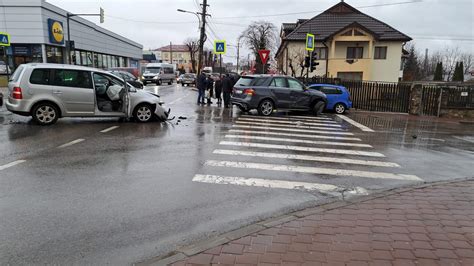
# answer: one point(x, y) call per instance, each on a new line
point(412, 67)
point(438, 75)
point(455, 76)
point(461, 71)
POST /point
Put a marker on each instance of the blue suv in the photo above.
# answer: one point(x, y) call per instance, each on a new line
point(338, 97)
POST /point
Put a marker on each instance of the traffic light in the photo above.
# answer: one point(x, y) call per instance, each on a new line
point(101, 15)
point(314, 63)
point(306, 61)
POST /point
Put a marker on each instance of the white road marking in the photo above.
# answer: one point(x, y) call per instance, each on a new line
point(268, 183)
point(300, 148)
point(285, 126)
point(433, 139)
point(289, 122)
point(290, 135)
point(177, 100)
point(300, 141)
point(8, 165)
point(71, 143)
point(305, 158)
point(289, 117)
point(295, 130)
point(312, 170)
point(109, 129)
point(465, 138)
point(356, 124)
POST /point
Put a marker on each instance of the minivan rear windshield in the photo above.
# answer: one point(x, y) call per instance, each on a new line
point(244, 81)
point(16, 75)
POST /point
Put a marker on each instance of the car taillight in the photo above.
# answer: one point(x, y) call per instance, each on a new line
point(16, 93)
point(249, 92)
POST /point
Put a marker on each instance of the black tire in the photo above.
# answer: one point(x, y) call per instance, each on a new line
point(266, 107)
point(158, 82)
point(339, 108)
point(143, 113)
point(242, 109)
point(45, 113)
point(170, 82)
point(318, 108)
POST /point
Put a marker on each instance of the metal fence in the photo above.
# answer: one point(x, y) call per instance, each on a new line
point(460, 97)
point(372, 96)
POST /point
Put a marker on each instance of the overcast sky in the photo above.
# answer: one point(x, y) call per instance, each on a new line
point(433, 24)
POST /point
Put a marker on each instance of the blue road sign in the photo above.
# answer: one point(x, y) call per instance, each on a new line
point(4, 39)
point(310, 42)
point(220, 47)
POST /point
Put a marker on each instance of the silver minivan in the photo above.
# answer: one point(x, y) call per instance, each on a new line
point(50, 91)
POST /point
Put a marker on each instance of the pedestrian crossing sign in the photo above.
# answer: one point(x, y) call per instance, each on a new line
point(310, 42)
point(4, 39)
point(220, 47)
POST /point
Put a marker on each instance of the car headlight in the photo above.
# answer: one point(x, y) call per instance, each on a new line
point(143, 77)
point(155, 77)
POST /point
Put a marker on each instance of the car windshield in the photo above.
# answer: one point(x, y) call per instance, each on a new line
point(153, 70)
point(245, 81)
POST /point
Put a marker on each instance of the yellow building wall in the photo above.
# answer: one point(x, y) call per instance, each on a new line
point(388, 69)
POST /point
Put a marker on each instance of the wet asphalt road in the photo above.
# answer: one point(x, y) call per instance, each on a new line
point(128, 195)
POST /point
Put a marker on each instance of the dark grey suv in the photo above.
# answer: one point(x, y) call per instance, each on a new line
point(267, 93)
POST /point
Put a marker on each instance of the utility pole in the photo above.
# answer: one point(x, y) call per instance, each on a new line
point(203, 33)
point(171, 53)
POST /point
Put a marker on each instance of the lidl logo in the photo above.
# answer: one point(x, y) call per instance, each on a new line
point(56, 32)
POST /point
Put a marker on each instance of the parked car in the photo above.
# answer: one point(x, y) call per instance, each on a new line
point(188, 79)
point(179, 78)
point(339, 98)
point(158, 73)
point(50, 91)
point(129, 78)
point(267, 93)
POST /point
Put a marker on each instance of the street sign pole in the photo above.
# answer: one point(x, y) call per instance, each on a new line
point(220, 65)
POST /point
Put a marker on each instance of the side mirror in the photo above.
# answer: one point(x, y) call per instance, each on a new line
point(131, 88)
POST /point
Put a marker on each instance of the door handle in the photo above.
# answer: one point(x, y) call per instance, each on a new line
point(57, 92)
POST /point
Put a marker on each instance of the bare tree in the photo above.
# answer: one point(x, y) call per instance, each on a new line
point(258, 36)
point(451, 56)
point(193, 47)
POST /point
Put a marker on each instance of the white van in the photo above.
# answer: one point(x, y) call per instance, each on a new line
point(158, 73)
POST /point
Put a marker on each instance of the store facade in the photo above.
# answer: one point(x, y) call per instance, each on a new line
point(38, 33)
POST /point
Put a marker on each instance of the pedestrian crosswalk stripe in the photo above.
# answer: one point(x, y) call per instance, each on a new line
point(268, 183)
point(356, 124)
point(289, 122)
point(312, 170)
point(291, 135)
point(285, 126)
point(304, 158)
point(289, 117)
point(300, 148)
point(329, 143)
point(295, 130)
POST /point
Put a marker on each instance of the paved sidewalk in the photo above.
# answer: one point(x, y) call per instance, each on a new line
point(433, 225)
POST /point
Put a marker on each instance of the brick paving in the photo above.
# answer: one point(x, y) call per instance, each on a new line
point(426, 226)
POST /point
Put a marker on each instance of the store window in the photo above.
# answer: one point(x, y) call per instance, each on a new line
point(76, 57)
point(100, 63)
point(83, 58)
point(24, 53)
point(96, 60)
point(89, 59)
point(54, 54)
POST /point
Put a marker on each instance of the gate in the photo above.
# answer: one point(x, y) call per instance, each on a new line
point(430, 100)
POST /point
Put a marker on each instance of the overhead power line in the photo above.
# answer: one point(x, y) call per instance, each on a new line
point(318, 11)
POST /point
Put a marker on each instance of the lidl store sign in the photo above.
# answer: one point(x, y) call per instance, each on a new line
point(4, 39)
point(56, 32)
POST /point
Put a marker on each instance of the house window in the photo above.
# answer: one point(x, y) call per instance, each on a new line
point(355, 52)
point(380, 52)
point(321, 53)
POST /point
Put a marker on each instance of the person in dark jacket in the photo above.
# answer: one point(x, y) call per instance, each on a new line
point(201, 85)
point(227, 89)
point(210, 89)
point(218, 89)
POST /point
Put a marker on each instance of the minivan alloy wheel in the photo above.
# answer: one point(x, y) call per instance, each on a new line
point(45, 114)
point(144, 113)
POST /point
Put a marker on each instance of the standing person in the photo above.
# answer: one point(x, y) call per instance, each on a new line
point(210, 89)
point(227, 88)
point(218, 88)
point(201, 86)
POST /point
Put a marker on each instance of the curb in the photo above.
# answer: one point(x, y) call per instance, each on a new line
point(188, 251)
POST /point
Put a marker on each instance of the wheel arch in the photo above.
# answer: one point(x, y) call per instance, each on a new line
point(57, 105)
